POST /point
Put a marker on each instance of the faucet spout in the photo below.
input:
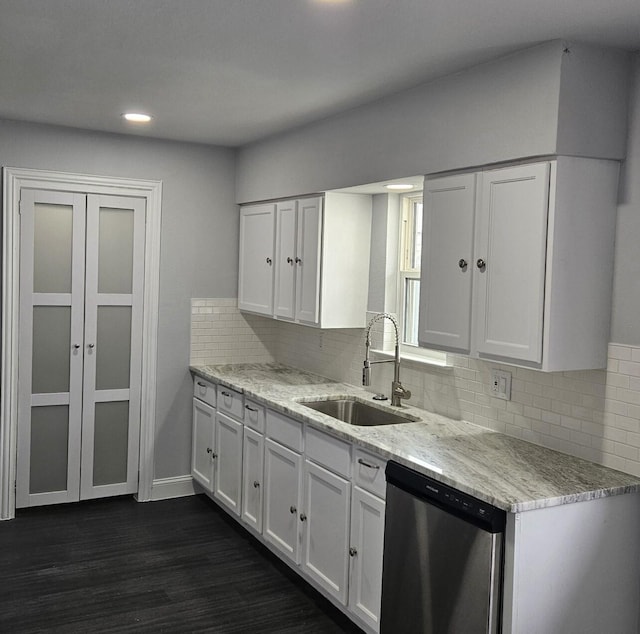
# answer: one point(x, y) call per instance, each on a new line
point(398, 392)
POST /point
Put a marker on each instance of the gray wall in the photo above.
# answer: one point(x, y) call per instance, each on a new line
point(540, 101)
point(625, 318)
point(198, 249)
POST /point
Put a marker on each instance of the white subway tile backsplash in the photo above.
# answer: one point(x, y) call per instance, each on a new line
point(591, 414)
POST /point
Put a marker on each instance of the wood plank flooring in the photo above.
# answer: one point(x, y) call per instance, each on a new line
point(173, 566)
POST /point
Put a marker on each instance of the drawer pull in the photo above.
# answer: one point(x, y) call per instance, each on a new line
point(225, 394)
point(364, 463)
point(201, 384)
point(251, 409)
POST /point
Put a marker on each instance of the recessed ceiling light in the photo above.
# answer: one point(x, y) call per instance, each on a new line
point(137, 117)
point(399, 186)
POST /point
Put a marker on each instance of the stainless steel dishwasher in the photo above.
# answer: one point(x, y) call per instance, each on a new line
point(442, 566)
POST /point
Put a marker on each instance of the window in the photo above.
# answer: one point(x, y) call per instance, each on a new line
point(409, 279)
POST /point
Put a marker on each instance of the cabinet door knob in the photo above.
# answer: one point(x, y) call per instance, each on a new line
point(352, 552)
point(256, 484)
point(209, 450)
point(213, 455)
point(481, 264)
point(269, 261)
point(303, 517)
point(289, 260)
point(76, 346)
point(92, 346)
point(462, 263)
point(298, 261)
point(293, 510)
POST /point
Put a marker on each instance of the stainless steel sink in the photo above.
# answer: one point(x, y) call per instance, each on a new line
point(356, 412)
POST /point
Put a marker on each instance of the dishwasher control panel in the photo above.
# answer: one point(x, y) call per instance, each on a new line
point(466, 506)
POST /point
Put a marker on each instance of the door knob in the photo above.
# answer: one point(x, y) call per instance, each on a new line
point(462, 263)
point(481, 264)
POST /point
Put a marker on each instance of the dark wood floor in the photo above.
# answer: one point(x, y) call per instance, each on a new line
point(174, 566)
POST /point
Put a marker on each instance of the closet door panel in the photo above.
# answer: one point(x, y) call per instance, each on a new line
point(113, 328)
point(52, 233)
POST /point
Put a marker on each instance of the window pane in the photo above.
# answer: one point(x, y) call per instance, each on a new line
point(411, 306)
point(113, 348)
point(49, 448)
point(417, 235)
point(51, 349)
point(52, 236)
point(115, 251)
point(111, 443)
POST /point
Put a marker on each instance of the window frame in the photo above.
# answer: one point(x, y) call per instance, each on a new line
point(407, 233)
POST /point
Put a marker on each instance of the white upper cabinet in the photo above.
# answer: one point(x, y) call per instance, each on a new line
point(255, 274)
point(447, 235)
point(321, 262)
point(518, 262)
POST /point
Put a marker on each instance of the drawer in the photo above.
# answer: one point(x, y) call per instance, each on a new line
point(285, 430)
point(328, 451)
point(368, 472)
point(230, 402)
point(254, 415)
point(204, 390)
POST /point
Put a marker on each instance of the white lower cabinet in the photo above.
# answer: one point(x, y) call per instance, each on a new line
point(366, 545)
point(311, 497)
point(204, 417)
point(252, 478)
point(282, 498)
point(325, 529)
point(228, 462)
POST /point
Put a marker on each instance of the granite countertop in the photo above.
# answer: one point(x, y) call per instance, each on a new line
point(509, 473)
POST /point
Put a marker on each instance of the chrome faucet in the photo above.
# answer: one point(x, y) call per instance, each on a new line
point(397, 391)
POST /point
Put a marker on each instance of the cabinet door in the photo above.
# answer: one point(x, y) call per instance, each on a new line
point(308, 253)
point(228, 462)
point(366, 547)
point(255, 274)
point(202, 444)
point(510, 261)
point(282, 493)
point(445, 284)
point(325, 525)
point(286, 225)
point(252, 478)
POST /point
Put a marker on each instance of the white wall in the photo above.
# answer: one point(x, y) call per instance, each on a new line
point(198, 250)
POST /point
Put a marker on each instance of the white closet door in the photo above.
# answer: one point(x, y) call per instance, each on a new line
point(113, 329)
point(52, 233)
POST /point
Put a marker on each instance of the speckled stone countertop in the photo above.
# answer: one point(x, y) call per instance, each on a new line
point(507, 472)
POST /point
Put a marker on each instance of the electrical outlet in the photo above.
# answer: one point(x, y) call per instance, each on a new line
point(501, 384)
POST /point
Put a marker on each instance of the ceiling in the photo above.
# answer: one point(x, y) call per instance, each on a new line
point(229, 72)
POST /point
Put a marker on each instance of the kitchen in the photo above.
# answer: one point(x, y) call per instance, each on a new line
point(199, 215)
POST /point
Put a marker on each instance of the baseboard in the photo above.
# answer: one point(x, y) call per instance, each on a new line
point(176, 487)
